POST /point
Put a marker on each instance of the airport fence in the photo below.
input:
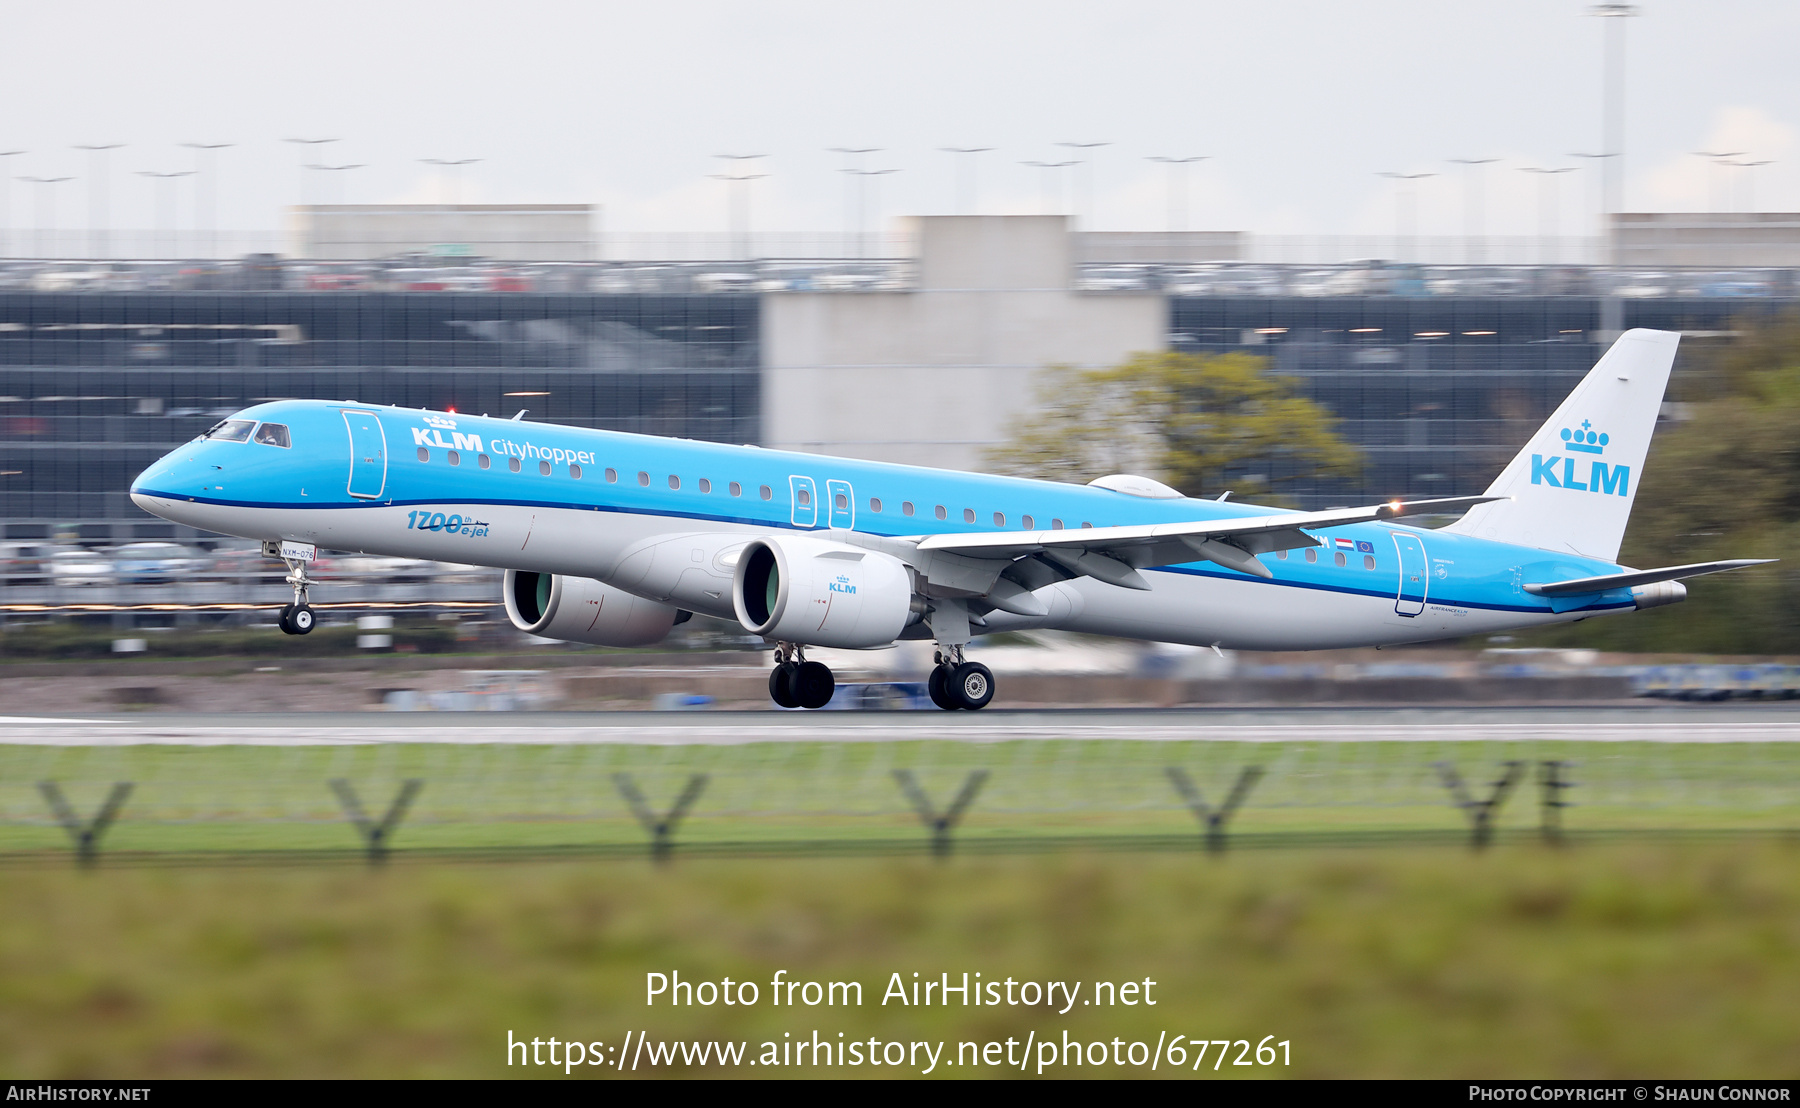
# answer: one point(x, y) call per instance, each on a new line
point(183, 794)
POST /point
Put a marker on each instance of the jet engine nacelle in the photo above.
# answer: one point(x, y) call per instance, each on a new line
point(580, 609)
point(820, 593)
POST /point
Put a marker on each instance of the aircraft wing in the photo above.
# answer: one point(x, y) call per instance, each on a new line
point(1115, 554)
point(1634, 578)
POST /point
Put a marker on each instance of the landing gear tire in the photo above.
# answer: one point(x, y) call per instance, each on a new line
point(286, 620)
point(938, 687)
point(300, 619)
point(971, 684)
point(814, 684)
point(781, 685)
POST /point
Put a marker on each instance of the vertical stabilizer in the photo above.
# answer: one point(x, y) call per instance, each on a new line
point(1573, 485)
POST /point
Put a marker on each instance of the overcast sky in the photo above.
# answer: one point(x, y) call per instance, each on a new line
point(1300, 104)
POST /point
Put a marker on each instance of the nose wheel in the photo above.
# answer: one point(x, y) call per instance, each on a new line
point(958, 684)
point(296, 619)
point(797, 683)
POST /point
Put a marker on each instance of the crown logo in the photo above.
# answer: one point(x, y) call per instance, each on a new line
point(450, 424)
point(1584, 439)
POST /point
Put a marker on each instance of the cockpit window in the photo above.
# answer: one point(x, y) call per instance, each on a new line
point(231, 430)
point(273, 434)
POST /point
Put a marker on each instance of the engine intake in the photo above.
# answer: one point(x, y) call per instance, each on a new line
point(821, 593)
point(580, 609)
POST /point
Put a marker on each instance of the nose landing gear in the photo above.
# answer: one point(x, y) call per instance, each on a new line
point(798, 683)
point(296, 617)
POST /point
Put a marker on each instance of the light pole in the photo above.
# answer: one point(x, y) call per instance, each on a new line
point(1404, 204)
point(1605, 231)
point(1049, 185)
point(206, 193)
point(1472, 205)
point(965, 183)
point(165, 204)
point(340, 180)
point(1750, 180)
point(853, 187)
point(873, 177)
point(1178, 167)
point(455, 166)
point(1085, 160)
point(46, 196)
point(1547, 231)
point(97, 181)
point(1719, 160)
point(305, 145)
point(1612, 171)
point(737, 186)
point(6, 205)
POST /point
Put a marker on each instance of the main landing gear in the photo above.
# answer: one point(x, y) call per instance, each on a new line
point(297, 617)
point(798, 683)
point(956, 683)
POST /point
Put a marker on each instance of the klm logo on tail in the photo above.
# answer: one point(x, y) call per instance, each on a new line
point(1559, 472)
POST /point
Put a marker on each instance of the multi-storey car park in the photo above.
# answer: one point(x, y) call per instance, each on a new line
point(924, 361)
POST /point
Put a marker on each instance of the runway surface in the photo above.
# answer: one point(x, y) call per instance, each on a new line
point(1649, 723)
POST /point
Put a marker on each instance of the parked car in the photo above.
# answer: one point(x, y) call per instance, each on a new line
point(22, 563)
point(79, 566)
point(152, 563)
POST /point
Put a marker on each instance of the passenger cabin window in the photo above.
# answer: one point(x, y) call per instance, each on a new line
point(1056, 525)
point(968, 515)
point(513, 464)
point(874, 503)
point(274, 434)
point(483, 461)
point(840, 501)
point(906, 508)
point(705, 485)
point(804, 497)
point(424, 454)
point(1086, 524)
point(1027, 523)
point(941, 513)
point(765, 492)
point(999, 519)
point(1281, 555)
point(612, 476)
point(1338, 557)
point(735, 489)
point(455, 458)
point(1312, 555)
point(643, 479)
point(574, 471)
point(544, 469)
point(674, 481)
point(231, 430)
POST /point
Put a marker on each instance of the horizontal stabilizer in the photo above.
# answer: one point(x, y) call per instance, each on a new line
point(1583, 585)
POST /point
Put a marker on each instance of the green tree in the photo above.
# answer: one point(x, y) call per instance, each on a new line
point(1202, 423)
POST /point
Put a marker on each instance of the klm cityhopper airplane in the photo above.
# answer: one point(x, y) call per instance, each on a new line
point(612, 539)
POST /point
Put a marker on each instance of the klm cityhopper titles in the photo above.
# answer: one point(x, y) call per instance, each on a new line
point(611, 539)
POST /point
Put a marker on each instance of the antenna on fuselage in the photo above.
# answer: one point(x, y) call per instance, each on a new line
point(520, 414)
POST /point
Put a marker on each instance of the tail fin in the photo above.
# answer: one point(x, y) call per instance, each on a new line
point(1572, 486)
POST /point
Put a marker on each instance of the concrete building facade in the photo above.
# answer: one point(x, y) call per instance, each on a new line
point(935, 375)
